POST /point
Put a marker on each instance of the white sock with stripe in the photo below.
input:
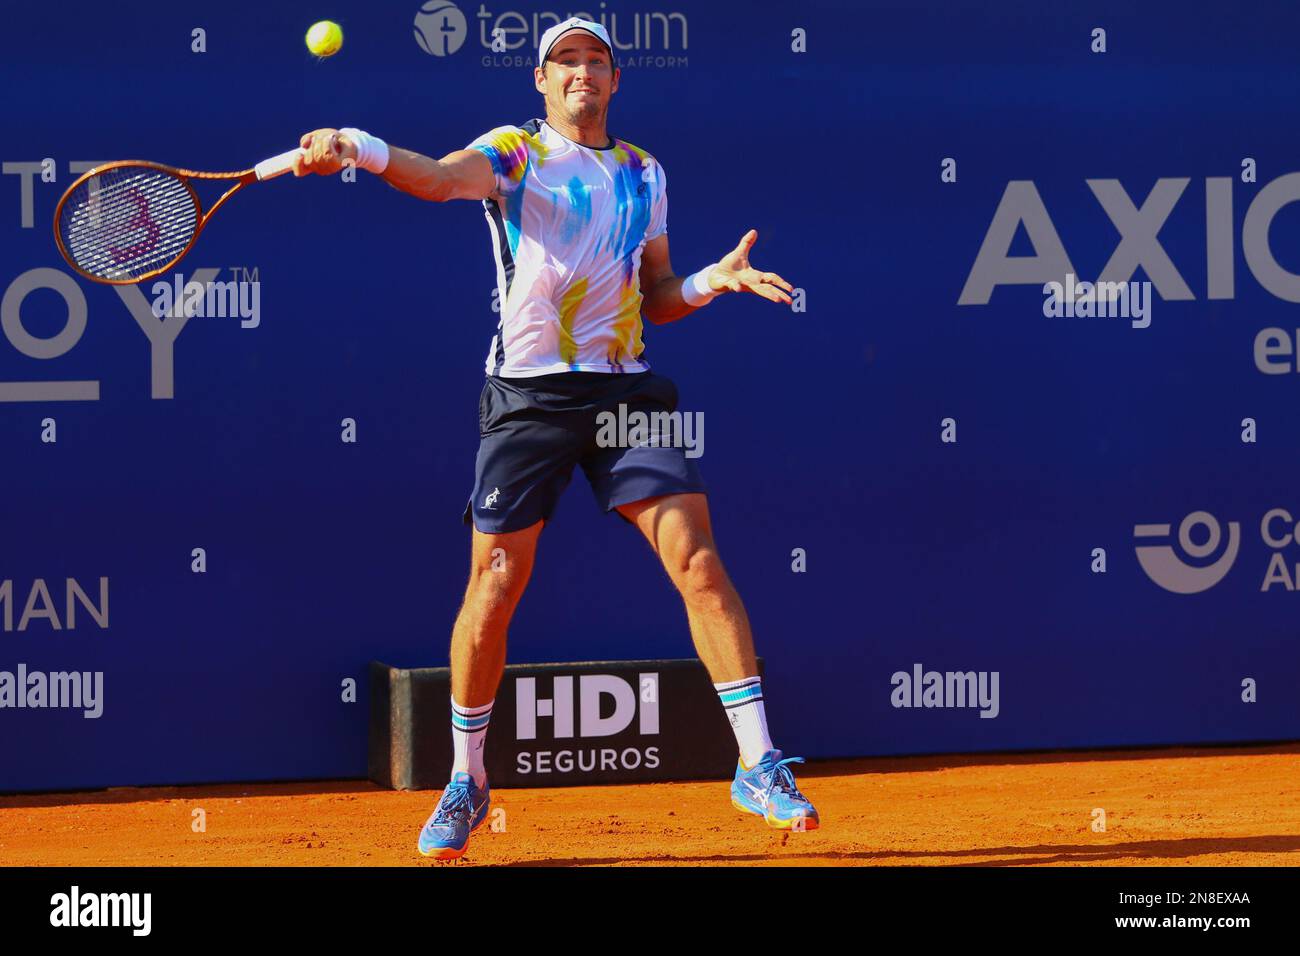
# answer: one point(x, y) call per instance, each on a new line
point(743, 702)
point(468, 733)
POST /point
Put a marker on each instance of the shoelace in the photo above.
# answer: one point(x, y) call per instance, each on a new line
point(783, 778)
point(455, 802)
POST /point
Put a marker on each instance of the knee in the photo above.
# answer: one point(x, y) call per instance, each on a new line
point(492, 592)
point(701, 578)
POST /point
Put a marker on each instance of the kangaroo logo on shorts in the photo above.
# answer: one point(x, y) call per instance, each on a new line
point(1163, 565)
point(490, 502)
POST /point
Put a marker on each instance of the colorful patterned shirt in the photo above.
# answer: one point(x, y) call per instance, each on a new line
point(568, 225)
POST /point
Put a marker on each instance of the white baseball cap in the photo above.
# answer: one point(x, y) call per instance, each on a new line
point(573, 23)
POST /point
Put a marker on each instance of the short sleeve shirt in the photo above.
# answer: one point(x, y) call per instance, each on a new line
point(569, 223)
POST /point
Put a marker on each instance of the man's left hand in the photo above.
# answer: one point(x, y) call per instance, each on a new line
point(733, 273)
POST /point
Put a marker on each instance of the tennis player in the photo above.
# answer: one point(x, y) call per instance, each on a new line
point(579, 230)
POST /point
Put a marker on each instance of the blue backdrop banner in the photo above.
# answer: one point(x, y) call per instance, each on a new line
point(1017, 470)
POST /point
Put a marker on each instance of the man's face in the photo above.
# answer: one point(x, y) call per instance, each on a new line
point(579, 78)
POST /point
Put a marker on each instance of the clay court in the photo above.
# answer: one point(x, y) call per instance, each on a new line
point(1235, 806)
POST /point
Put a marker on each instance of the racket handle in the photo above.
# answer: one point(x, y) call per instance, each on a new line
point(276, 165)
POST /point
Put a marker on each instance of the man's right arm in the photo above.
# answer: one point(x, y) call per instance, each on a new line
point(463, 174)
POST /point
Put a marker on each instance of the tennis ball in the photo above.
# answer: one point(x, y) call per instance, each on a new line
point(325, 38)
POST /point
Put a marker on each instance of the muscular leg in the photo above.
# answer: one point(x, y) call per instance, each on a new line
point(500, 565)
point(678, 528)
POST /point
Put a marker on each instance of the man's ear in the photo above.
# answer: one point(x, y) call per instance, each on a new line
point(613, 87)
point(539, 79)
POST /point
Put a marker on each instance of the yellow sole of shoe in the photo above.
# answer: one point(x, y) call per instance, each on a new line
point(808, 824)
point(444, 853)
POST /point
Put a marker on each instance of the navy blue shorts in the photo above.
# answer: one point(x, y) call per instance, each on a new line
point(534, 430)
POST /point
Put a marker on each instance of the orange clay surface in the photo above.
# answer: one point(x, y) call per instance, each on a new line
point(1222, 806)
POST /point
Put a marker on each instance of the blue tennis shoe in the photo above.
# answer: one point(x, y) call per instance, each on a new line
point(768, 790)
point(461, 810)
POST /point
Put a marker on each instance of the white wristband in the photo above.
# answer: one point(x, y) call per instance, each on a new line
point(372, 152)
point(695, 288)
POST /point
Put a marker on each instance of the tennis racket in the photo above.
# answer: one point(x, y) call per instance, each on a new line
point(128, 221)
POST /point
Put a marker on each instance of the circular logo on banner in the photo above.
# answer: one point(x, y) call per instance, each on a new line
point(440, 28)
point(1163, 565)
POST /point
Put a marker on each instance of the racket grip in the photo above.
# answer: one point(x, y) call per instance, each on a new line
point(276, 165)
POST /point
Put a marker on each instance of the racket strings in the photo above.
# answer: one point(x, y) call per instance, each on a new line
point(131, 226)
point(128, 222)
point(127, 260)
point(93, 257)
